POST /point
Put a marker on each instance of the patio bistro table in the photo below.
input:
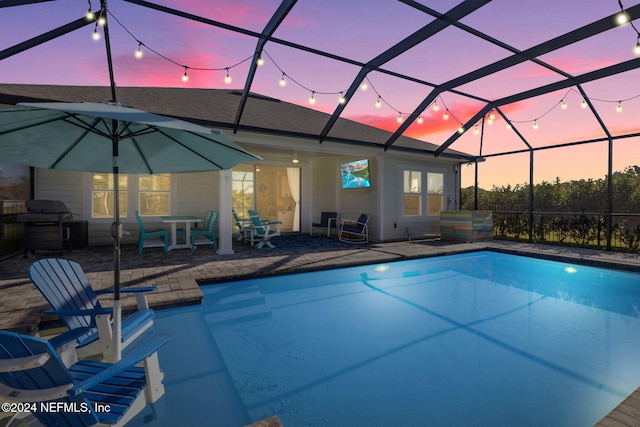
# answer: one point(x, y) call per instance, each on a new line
point(174, 220)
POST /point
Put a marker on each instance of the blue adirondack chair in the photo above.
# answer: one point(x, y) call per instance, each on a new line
point(151, 234)
point(66, 287)
point(208, 231)
point(263, 230)
point(84, 394)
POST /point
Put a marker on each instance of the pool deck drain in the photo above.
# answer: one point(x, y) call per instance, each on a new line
point(178, 274)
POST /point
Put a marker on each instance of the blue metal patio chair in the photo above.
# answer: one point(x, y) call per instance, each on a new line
point(66, 287)
point(209, 231)
point(328, 220)
point(244, 226)
point(263, 230)
point(84, 394)
point(151, 234)
point(354, 231)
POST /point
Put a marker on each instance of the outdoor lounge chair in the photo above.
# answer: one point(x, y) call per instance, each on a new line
point(66, 287)
point(354, 231)
point(263, 230)
point(84, 394)
point(244, 226)
point(151, 234)
point(328, 220)
point(209, 231)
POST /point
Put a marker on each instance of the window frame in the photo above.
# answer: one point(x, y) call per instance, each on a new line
point(424, 191)
point(133, 198)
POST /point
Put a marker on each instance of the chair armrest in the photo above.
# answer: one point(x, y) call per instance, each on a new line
point(92, 312)
point(130, 290)
point(135, 356)
point(69, 336)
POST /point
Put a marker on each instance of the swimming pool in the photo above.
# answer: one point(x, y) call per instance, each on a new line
point(472, 339)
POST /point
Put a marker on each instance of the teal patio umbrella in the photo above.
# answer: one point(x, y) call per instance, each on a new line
point(111, 137)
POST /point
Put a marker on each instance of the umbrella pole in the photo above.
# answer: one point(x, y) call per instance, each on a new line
point(116, 233)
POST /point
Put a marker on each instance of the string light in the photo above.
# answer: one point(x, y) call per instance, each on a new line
point(399, 119)
point(420, 120)
point(312, 100)
point(636, 49)
point(535, 124)
point(138, 53)
point(102, 21)
point(185, 78)
point(619, 107)
point(378, 103)
point(342, 99)
point(446, 115)
point(96, 35)
point(475, 130)
point(90, 16)
point(283, 81)
point(461, 130)
point(364, 86)
point(564, 105)
point(584, 103)
point(622, 18)
point(227, 78)
point(435, 106)
point(260, 62)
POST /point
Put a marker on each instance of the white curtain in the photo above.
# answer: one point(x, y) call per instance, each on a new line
point(293, 175)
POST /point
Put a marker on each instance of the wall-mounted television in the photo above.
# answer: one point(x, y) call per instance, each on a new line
point(355, 174)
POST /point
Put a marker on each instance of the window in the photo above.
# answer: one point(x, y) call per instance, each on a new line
point(154, 194)
point(242, 193)
point(412, 198)
point(148, 194)
point(435, 193)
point(419, 189)
point(102, 195)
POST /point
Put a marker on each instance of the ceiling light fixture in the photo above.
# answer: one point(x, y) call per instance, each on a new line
point(295, 158)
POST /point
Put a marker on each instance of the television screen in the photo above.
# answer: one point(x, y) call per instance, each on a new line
point(355, 174)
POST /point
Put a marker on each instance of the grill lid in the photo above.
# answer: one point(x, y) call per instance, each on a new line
point(46, 206)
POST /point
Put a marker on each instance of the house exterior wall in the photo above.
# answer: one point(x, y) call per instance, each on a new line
point(195, 193)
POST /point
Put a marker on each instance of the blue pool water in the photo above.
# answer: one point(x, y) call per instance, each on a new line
point(479, 339)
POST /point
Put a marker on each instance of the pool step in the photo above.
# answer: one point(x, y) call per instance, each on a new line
point(228, 303)
point(242, 314)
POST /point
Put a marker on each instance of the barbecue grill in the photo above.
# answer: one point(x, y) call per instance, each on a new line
point(46, 225)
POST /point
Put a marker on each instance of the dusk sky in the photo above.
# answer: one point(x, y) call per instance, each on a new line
point(361, 30)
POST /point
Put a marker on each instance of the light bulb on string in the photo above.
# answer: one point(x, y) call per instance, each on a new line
point(342, 99)
point(475, 130)
point(509, 126)
point(227, 78)
point(420, 120)
point(96, 35)
point(138, 53)
point(89, 16)
point(283, 81)
point(461, 130)
point(446, 115)
point(584, 103)
point(312, 99)
point(102, 21)
point(260, 62)
point(535, 125)
point(378, 103)
point(563, 105)
point(622, 18)
point(636, 49)
point(364, 85)
point(185, 78)
point(619, 107)
point(435, 106)
point(492, 116)
point(399, 119)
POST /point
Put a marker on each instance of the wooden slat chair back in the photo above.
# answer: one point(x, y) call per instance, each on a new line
point(32, 372)
point(65, 286)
